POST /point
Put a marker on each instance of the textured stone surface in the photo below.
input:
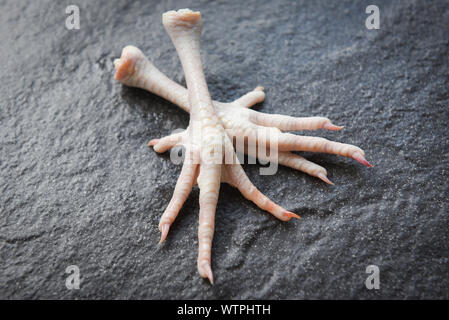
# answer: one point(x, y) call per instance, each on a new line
point(80, 187)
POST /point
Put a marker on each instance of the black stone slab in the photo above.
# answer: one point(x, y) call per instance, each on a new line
point(80, 187)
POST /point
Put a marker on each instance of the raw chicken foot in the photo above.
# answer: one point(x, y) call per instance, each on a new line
point(204, 154)
point(135, 70)
point(206, 145)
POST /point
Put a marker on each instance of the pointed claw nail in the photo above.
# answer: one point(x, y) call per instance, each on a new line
point(358, 157)
point(259, 88)
point(323, 177)
point(331, 126)
point(164, 232)
point(208, 270)
point(291, 215)
point(153, 142)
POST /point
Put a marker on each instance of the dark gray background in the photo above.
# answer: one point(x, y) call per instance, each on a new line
point(80, 187)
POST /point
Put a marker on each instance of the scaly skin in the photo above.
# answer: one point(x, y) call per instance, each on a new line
point(205, 152)
point(206, 144)
point(134, 70)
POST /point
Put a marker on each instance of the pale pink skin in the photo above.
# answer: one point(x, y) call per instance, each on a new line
point(133, 69)
point(184, 28)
